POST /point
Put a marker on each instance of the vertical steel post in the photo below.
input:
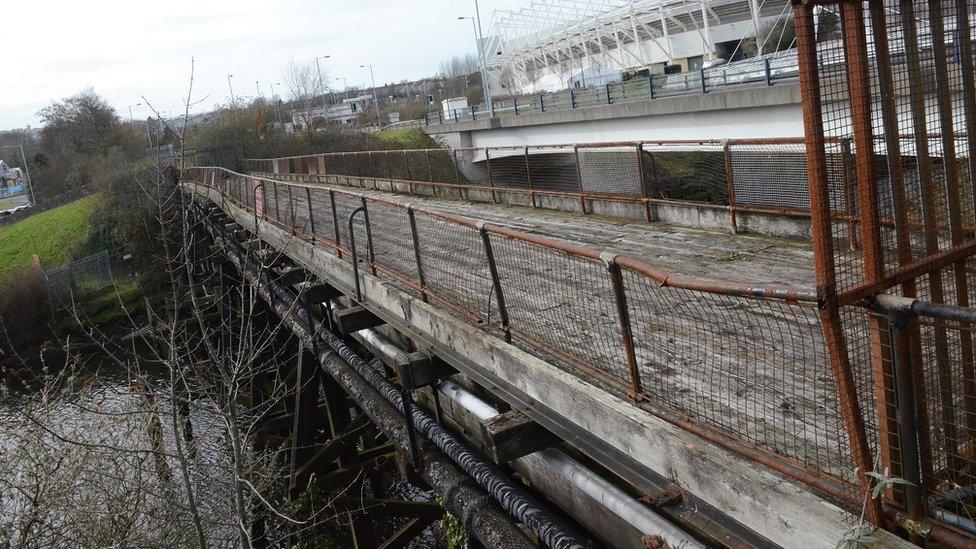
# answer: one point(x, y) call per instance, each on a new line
point(515, 103)
point(906, 413)
point(528, 177)
point(701, 73)
point(311, 212)
point(369, 237)
point(850, 196)
point(650, 85)
point(491, 181)
point(406, 162)
point(430, 168)
point(416, 252)
point(291, 208)
point(609, 99)
point(821, 230)
point(572, 99)
point(496, 281)
point(769, 75)
point(623, 315)
point(335, 223)
point(643, 183)
point(579, 180)
point(274, 189)
point(730, 182)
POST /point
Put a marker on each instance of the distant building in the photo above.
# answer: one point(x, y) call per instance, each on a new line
point(346, 112)
point(11, 180)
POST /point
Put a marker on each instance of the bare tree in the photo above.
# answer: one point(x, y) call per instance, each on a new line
point(459, 65)
point(305, 88)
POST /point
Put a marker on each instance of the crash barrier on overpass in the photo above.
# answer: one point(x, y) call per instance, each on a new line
point(757, 175)
point(745, 366)
point(767, 70)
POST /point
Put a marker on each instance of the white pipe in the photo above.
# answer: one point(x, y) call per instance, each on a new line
point(557, 462)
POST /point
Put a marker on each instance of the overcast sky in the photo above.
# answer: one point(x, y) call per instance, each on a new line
point(126, 50)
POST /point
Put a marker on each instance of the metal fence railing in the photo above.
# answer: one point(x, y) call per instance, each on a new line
point(896, 78)
point(743, 365)
point(755, 175)
point(79, 278)
point(767, 70)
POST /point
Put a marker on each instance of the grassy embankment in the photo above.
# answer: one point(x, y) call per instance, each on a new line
point(57, 236)
point(405, 138)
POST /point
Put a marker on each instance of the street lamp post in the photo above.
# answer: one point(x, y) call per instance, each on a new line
point(321, 87)
point(376, 102)
point(345, 87)
point(233, 101)
point(257, 84)
point(23, 158)
point(484, 60)
point(475, 24)
point(277, 103)
point(131, 118)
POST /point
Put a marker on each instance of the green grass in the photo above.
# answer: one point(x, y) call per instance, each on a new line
point(406, 138)
point(53, 235)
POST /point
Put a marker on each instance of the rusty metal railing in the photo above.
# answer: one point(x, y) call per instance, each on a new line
point(739, 175)
point(742, 365)
point(895, 77)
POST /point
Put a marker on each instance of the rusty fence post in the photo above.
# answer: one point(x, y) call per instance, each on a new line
point(311, 214)
point(369, 237)
point(642, 182)
point(416, 251)
point(430, 168)
point(847, 167)
point(579, 180)
point(730, 182)
point(274, 189)
point(406, 165)
point(291, 208)
point(826, 276)
point(491, 181)
point(899, 326)
point(457, 174)
point(335, 223)
point(623, 315)
point(528, 176)
point(495, 280)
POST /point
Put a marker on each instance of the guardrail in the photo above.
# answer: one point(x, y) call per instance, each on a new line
point(763, 71)
point(742, 365)
point(740, 175)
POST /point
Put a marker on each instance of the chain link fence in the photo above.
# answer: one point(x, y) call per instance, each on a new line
point(79, 278)
point(760, 175)
point(743, 365)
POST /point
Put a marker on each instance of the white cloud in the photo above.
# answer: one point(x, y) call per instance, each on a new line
point(125, 49)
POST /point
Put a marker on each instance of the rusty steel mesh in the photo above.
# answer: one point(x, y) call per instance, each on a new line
point(892, 83)
point(739, 368)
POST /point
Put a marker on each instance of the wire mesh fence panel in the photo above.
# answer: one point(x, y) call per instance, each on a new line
point(561, 306)
point(610, 170)
point(685, 171)
point(892, 83)
point(418, 165)
point(553, 168)
point(756, 369)
point(392, 241)
point(769, 175)
point(345, 205)
point(443, 166)
point(472, 166)
point(456, 269)
point(508, 167)
point(79, 278)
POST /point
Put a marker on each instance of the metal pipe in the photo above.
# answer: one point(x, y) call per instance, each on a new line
point(509, 495)
point(555, 461)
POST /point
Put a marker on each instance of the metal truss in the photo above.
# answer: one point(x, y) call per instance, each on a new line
point(562, 36)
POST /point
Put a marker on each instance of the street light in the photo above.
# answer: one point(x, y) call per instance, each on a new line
point(481, 58)
point(376, 102)
point(131, 118)
point(480, 39)
point(257, 84)
point(345, 87)
point(232, 100)
point(277, 103)
point(23, 158)
point(319, 71)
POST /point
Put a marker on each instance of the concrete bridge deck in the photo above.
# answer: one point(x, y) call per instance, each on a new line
point(731, 373)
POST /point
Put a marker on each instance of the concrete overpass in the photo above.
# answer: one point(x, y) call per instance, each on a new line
point(732, 113)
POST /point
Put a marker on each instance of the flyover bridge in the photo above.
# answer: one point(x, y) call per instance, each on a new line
point(650, 378)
